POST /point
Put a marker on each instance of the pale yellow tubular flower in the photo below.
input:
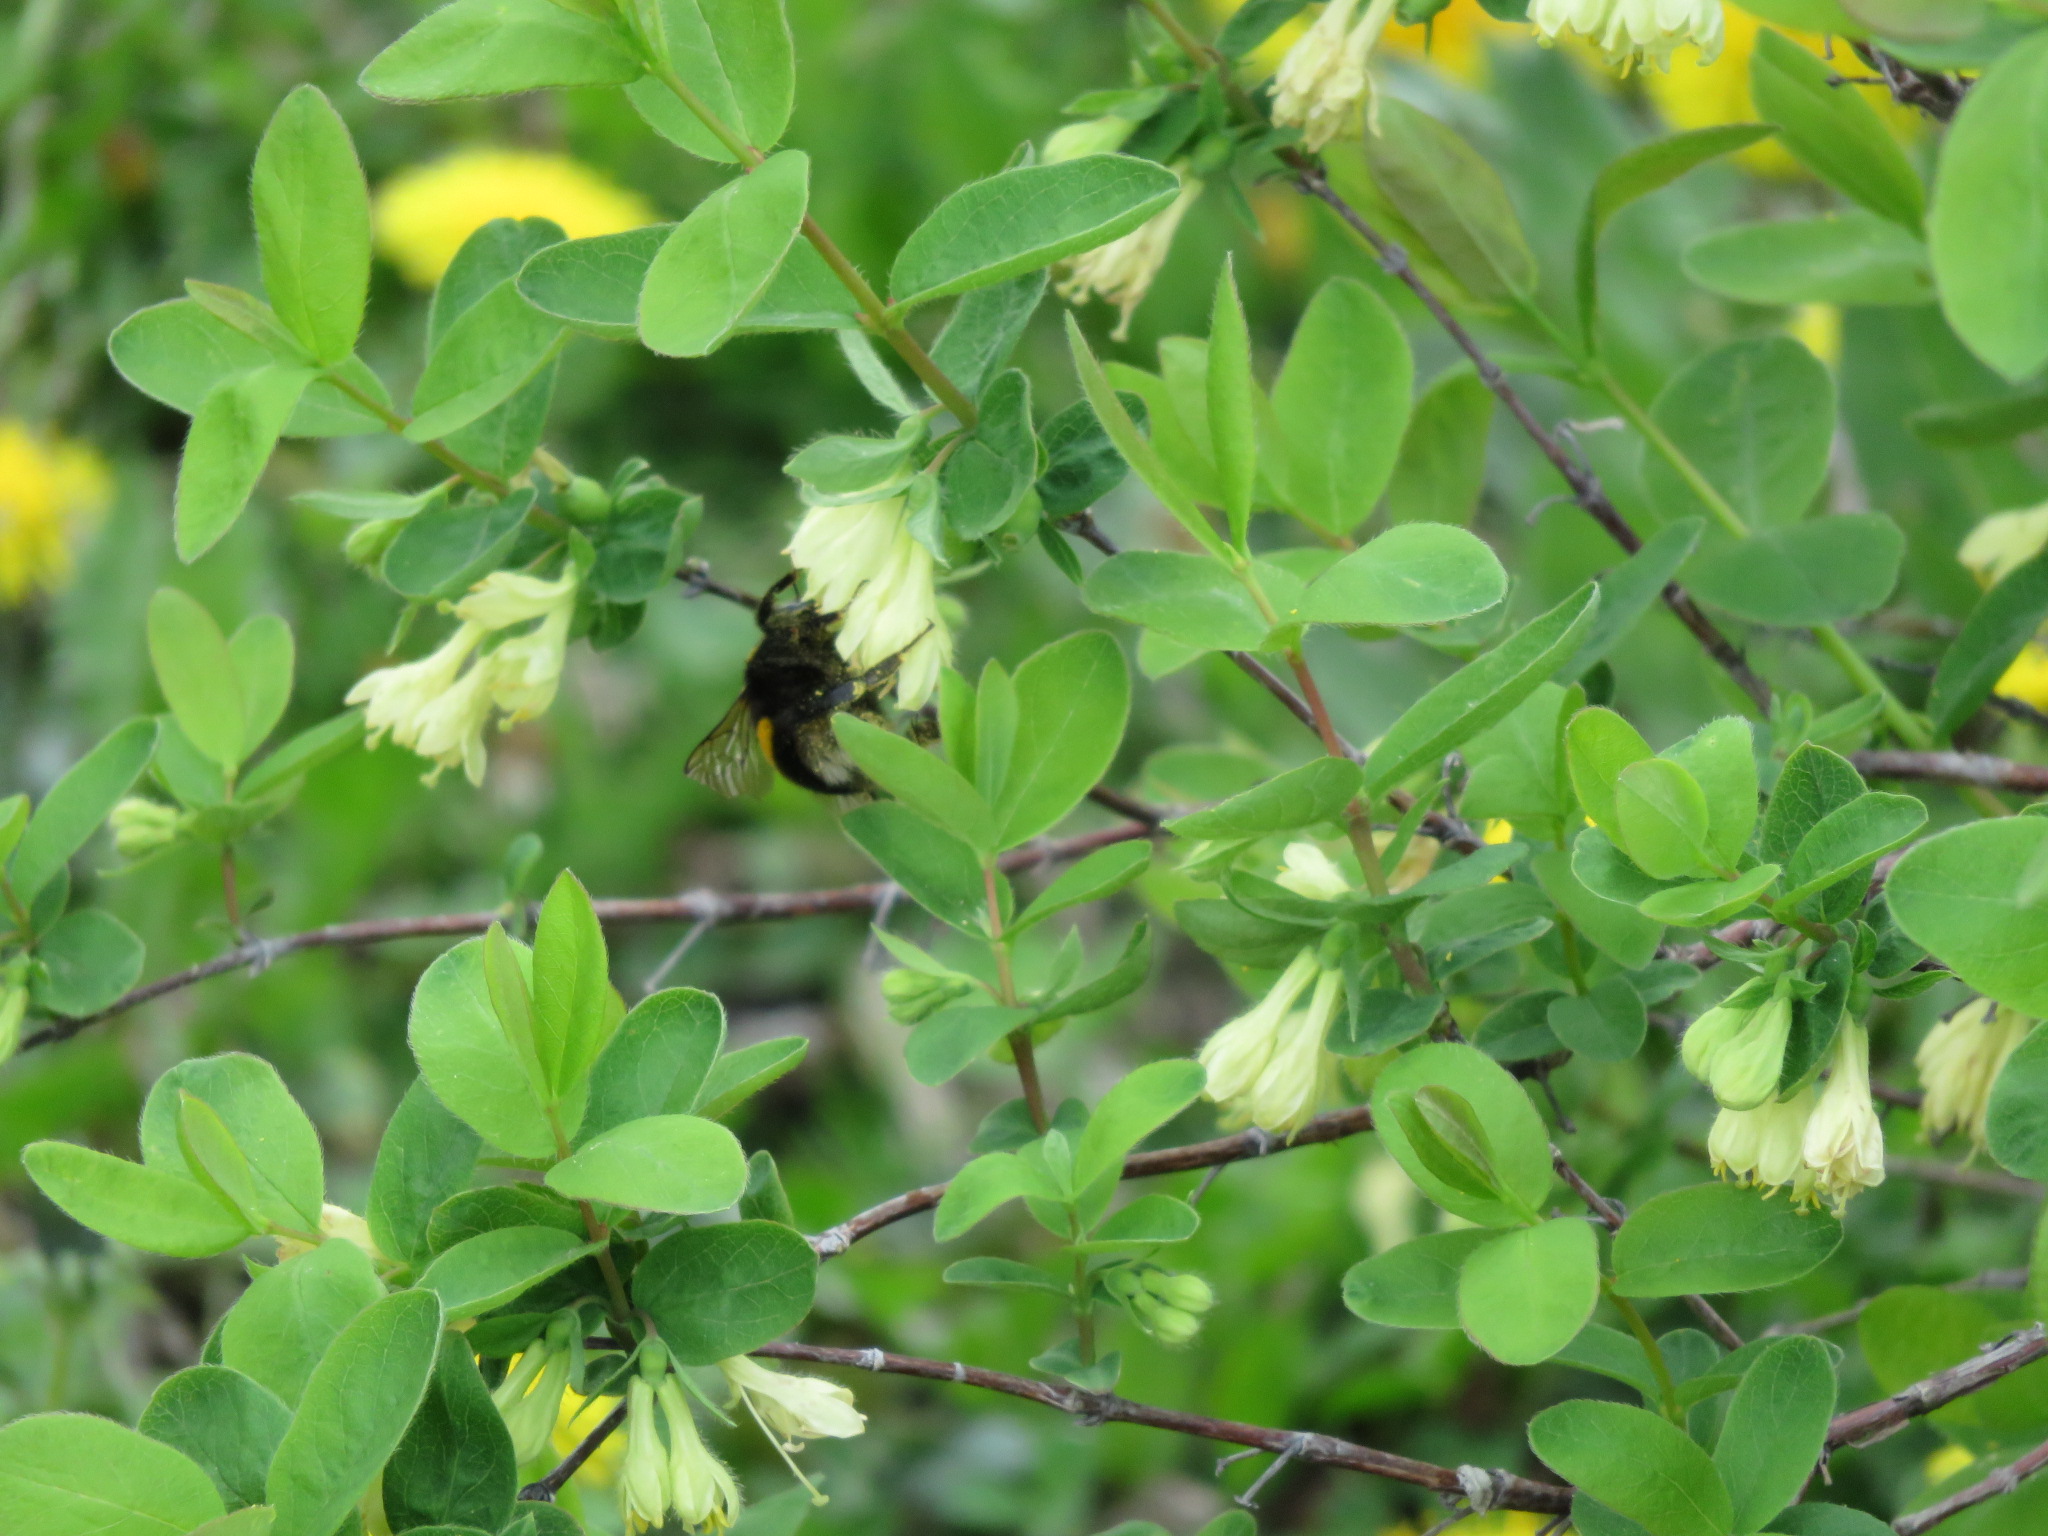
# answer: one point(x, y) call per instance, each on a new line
point(1745, 1071)
point(1238, 1052)
point(1300, 1070)
point(52, 492)
point(424, 213)
point(862, 562)
point(1120, 272)
point(1308, 871)
point(1323, 79)
point(1628, 32)
point(795, 1408)
point(1844, 1143)
point(1094, 136)
point(1959, 1061)
point(141, 825)
point(2003, 541)
point(702, 1491)
point(644, 1478)
point(1761, 1146)
point(394, 698)
point(1416, 860)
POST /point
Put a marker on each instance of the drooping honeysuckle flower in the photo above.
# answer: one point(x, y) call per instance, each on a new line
point(1093, 136)
point(1844, 1143)
point(1121, 272)
point(2002, 541)
point(335, 1221)
point(702, 1491)
point(1959, 1061)
point(862, 562)
point(1237, 1054)
point(1268, 1066)
point(1635, 31)
point(13, 1009)
point(529, 1399)
point(1762, 1146)
point(644, 1479)
point(439, 705)
point(141, 826)
point(793, 1408)
point(1323, 78)
point(1738, 1048)
point(1171, 1306)
point(1308, 871)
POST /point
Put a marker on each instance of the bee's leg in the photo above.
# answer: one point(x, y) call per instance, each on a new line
point(767, 604)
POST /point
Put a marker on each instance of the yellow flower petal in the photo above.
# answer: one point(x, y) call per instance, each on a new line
point(52, 491)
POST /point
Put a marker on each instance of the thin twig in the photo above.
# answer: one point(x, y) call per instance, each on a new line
point(1974, 768)
point(1612, 1218)
point(1100, 1408)
point(1874, 1421)
point(1334, 1126)
point(2004, 1480)
point(1990, 1280)
point(692, 907)
point(544, 1489)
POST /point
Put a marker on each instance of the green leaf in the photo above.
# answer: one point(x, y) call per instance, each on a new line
point(1776, 1429)
point(70, 1474)
point(1147, 1220)
point(2016, 1120)
point(657, 1061)
point(936, 870)
point(1097, 875)
point(1849, 258)
point(488, 1271)
point(301, 754)
point(1716, 1237)
point(488, 354)
point(1414, 1284)
point(313, 224)
point(1136, 1107)
point(497, 47)
point(1022, 219)
point(1316, 792)
point(89, 958)
point(1698, 903)
point(1230, 392)
point(1189, 598)
point(982, 485)
point(227, 1423)
point(1639, 1465)
point(1481, 692)
point(1911, 1331)
point(197, 675)
point(984, 330)
point(594, 284)
point(1851, 838)
point(1815, 572)
point(455, 1465)
point(1007, 1274)
point(1441, 469)
point(920, 780)
point(716, 1292)
point(497, 1207)
point(1414, 573)
point(738, 1075)
point(736, 56)
point(943, 1046)
point(1757, 419)
point(213, 1158)
point(1082, 465)
point(574, 1008)
point(1340, 407)
point(1998, 628)
point(142, 1207)
point(1607, 1024)
point(1813, 784)
point(1116, 420)
point(1525, 1294)
point(1721, 757)
point(280, 1327)
point(1073, 698)
point(675, 1163)
point(1835, 133)
point(355, 1409)
point(275, 1133)
point(233, 432)
point(1625, 936)
point(1515, 1138)
point(425, 1156)
point(1988, 242)
point(447, 547)
point(1645, 169)
point(1957, 895)
point(463, 1055)
point(720, 259)
point(1453, 199)
point(1812, 1519)
point(262, 653)
point(982, 1187)
point(176, 352)
point(1599, 744)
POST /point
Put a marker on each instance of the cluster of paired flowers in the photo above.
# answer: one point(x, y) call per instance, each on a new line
point(668, 1469)
point(863, 562)
point(1627, 31)
point(1959, 1061)
point(1822, 1143)
point(439, 705)
point(1168, 1305)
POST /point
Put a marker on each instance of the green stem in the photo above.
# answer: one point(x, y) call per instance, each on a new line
point(1723, 510)
point(1022, 1051)
point(1084, 1310)
point(1574, 959)
point(873, 309)
point(483, 479)
point(1667, 1389)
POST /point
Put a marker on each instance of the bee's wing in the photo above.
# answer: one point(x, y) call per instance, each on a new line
point(730, 759)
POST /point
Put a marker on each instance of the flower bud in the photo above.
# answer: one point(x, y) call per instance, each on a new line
point(1185, 1293)
point(13, 1008)
point(141, 826)
point(586, 501)
point(1096, 136)
point(1959, 1061)
point(366, 542)
point(914, 996)
point(2003, 541)
point(1167, 1324)
point(1745, 1071)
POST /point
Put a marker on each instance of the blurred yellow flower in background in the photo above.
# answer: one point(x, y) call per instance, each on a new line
point(579, 1416)
point(2027, 678)
point(1455, 40)
point(52, 490)
point(1503, 1522)
point(425, 212)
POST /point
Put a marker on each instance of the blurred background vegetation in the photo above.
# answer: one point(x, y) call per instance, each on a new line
point(128, 130)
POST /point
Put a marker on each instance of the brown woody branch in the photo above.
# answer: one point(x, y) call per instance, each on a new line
point(1975, 769)
point(1874, 1421)
point(1509, 1490)
point(2004, 1480)
point(544, 1489)
point(709, 907)
point(1334, 1126)
point(1990, 1280)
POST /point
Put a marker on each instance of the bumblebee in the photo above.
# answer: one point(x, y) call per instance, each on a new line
point(795, 682)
